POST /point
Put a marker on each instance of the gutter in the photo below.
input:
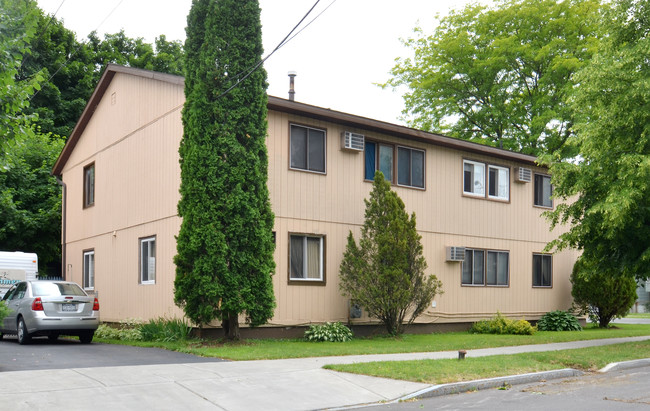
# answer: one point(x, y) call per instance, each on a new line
point(64, 193)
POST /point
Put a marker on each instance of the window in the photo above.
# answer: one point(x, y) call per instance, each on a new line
point(473, 178)
point(307, 148)
point(482, 267)
point(543, 191)
point(89, 185)
point(148, 260)
point(542, 270)
point(498, 182)
point(381, 157)
point(89, 270)
point(410, 167)
point(306, 258)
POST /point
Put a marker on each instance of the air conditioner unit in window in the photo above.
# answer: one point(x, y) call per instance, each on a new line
point(523, 175)
point(352, 141)
point(455, 253)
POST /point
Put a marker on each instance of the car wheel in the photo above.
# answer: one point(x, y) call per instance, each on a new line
point(87, 337)
point(53, 337)
point(23, 335)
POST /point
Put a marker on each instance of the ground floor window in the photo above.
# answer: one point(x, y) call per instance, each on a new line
point(148, 260)
point(306, 257)
point(542, 270)
point(485, 267)
point(89, 270)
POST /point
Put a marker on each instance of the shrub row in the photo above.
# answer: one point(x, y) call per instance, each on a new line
point(501, 325)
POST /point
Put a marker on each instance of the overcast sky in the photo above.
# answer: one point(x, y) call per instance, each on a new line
point(339, 57)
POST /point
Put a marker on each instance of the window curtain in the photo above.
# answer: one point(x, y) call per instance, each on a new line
point(313, 258)
point(296, 257)
point(370, 153)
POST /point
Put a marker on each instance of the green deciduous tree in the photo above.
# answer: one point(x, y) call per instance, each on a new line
point(385, 272)
point(30, 199)
point(499, 76)
point(609, 184)
point(601, 294)
point(225, 244)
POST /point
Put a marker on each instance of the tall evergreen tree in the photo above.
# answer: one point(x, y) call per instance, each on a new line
point(225, 246)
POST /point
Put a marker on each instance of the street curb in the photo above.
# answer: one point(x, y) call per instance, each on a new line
point(625, 365)
point(457, 387)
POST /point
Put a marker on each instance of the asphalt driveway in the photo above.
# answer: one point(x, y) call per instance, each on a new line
point(42, 354)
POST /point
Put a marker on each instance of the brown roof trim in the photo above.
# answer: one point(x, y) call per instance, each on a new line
point(349, 120)
point(291, 107)
point(94, 100)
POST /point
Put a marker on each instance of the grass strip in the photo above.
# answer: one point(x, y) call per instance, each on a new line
point(447, 371)
point(277, 349)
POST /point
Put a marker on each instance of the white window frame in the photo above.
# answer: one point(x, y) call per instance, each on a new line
point(307, 168)
point(89, 270)
point(151, 277)
point(500, 170)
point(305, 262)
point(475, 181)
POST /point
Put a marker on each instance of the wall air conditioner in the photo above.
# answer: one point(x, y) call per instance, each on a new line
point(523, 175)
point(352, 141)
point(455, 253)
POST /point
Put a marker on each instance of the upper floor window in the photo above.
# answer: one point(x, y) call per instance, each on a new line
point(148, 260)
point(306, 258)
point(542, 270)
point(89, 185)
point(307, 148)
point(485, 267)
point(89, 270)
point(475, 179)
point(409, 164)
point(543, 191)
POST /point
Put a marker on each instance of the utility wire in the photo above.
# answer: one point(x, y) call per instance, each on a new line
point(284, 41)
point(78, 47)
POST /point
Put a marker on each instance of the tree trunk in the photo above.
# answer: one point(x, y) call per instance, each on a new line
point(225, 324)
point(233, 327)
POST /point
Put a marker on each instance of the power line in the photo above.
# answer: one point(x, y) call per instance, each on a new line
point(284, 41)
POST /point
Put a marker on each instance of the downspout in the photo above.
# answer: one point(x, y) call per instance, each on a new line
point(64, 194)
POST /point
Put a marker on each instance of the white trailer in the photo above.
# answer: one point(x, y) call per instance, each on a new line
point(16, 266)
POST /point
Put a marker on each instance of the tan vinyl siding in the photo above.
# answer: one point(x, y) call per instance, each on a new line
point(133, 135)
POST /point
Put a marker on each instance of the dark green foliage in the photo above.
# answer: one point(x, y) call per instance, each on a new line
point(225, 246)
point(601, 294)
point(165, 330)
point(4, 310)
point(608, 190)
point(558, 321)
point(498, 74)
point(501, 325)
point(332, 332)
point(385, 273)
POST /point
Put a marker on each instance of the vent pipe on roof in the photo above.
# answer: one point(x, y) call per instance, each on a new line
point(292, 92)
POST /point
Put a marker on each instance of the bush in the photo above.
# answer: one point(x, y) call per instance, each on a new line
point(165, 330)
point(602, 295)
point(501, 325)
point(4, 310)
point(333, 332)
point(558, 321)
point(128, 330)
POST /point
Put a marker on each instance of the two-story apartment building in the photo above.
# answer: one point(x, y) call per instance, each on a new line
point(478, 208)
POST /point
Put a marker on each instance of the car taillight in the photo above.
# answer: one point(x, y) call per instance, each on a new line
point(96, 305)
point(37, 304)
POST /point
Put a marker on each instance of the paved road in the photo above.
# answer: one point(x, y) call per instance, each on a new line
point(614, 390)
point(42, 354)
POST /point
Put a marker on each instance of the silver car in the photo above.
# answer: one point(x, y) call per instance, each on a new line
point(50, 308)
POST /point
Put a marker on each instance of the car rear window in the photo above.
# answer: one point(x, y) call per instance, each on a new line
point(56, 289)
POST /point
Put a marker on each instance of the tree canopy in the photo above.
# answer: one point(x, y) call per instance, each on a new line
point(500, 75)
point(608, 185)
point(385, 273)
point(225, 244)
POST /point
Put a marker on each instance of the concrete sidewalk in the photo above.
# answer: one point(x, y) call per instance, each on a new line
point(293, 384)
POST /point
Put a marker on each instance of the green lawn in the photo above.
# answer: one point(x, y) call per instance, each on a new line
point(445, 371)
point(275, 349)
point(638, 315)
